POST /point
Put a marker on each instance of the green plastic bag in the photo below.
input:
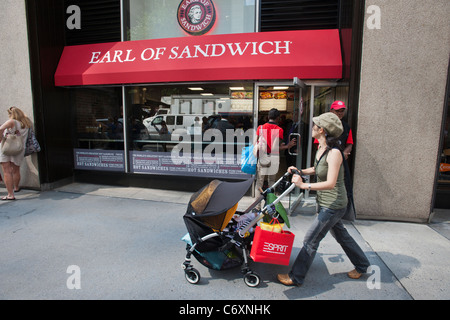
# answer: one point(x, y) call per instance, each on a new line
point(280, 210)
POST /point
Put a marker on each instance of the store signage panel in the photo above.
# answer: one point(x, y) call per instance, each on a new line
point(273, 99)
point(311, 54)
point(162, 163)
point(101, 160)
point(196, 17)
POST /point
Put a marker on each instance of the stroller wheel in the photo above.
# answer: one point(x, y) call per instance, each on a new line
point(192, 275)
point(252, 279)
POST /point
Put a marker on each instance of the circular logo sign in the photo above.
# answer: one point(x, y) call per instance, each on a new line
point(196, 17)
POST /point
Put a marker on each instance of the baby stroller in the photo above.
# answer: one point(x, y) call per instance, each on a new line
point(217, 236)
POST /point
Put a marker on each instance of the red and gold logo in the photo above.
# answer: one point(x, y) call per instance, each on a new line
point(196, 17)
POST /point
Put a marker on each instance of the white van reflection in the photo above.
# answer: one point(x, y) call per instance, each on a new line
point(191, 124)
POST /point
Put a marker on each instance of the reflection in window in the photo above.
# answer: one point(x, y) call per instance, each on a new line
point(156, 19)
point(98, 118)
point(99, 134)
point(168, 123)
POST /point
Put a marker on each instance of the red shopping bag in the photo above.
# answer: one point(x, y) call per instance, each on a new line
point(272, 247)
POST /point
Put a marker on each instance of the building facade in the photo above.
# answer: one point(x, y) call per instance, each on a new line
point(124, 92)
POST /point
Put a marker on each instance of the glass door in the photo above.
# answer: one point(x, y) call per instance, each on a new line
point(286, 97)
point(442, 195)
point(315, 99)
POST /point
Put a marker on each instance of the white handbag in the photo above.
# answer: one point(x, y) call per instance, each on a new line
point(12, 144)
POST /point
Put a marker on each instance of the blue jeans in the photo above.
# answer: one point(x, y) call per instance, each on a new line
point(327, 220)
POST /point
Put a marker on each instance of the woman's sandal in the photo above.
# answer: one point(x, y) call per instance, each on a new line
point(8, 199)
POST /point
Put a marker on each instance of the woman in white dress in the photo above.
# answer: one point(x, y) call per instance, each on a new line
point(19, 123)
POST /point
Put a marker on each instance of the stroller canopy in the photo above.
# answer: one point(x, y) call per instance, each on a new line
point(213, 206)
point(218, 196)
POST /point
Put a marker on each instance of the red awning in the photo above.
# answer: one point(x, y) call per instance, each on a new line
point(312, 54)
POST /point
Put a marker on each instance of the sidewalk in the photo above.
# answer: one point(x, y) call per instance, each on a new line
point(127, 240)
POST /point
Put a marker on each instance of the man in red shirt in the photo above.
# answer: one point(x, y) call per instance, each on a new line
point(339, 108)
point(269, 139)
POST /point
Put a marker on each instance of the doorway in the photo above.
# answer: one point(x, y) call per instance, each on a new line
point(442, 193)
point(297, 113)
point(286, 97)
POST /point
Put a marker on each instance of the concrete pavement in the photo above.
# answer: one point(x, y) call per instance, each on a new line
point(126, 244)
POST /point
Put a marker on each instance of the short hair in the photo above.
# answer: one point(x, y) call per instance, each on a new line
point(273, 114)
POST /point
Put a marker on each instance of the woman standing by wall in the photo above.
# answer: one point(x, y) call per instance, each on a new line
point(19, 124)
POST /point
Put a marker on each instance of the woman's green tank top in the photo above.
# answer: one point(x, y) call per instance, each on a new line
point(335, 198)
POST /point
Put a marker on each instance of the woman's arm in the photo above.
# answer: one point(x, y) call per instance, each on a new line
point(7, 125)
point(334, 161)
point(348, 150)
point(307, 172)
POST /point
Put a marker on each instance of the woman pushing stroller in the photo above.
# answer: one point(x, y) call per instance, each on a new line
point(332, 200)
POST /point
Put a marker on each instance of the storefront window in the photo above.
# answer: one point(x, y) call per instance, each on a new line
point(156, 19)
point(98, 129)
point(443, 186)
point(182, 129)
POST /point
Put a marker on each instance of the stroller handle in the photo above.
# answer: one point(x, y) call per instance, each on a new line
point(297, 172)
point(269, 189)
point(266, 210)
